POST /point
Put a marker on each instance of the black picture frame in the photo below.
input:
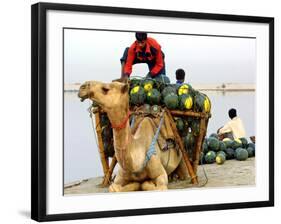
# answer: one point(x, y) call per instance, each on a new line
point(39, 108)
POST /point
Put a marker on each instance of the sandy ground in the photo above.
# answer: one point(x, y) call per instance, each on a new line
point(231, 173)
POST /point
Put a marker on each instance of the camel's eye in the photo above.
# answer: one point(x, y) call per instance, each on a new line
point(83, 86)
point(105, 90)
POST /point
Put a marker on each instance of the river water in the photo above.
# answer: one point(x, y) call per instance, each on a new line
point(81, 157)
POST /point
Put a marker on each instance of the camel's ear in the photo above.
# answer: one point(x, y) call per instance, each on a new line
point(125, 88)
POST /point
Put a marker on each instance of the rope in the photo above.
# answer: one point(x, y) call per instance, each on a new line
point(205, 174)
point(151, 149)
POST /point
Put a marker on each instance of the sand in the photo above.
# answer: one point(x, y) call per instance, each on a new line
point(232, 173)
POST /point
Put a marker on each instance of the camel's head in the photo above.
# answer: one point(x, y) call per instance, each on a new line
point(107, 95)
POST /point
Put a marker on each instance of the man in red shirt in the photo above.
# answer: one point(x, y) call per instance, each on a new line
point(143, 50)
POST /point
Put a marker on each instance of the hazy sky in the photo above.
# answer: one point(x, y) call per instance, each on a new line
point(95, 55)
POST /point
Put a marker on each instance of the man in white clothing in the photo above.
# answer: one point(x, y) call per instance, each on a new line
point(234, 127)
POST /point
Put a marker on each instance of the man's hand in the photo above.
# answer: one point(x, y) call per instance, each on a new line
point(123, 79)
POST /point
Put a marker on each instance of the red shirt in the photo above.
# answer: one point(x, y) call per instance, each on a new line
point(151, 44)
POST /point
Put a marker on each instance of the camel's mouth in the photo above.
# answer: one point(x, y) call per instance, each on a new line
point(83, 96)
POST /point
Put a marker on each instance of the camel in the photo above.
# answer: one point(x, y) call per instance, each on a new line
point(135, 172)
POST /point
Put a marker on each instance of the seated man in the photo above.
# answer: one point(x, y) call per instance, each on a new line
point(234, 128)
point(143, 50)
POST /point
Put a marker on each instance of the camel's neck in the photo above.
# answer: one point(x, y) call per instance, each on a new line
point(122, 137)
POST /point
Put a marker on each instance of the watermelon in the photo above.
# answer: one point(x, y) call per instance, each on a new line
point(184, 89)
point(210, 157)
point(189, 141)
point(195, 127)
point(180, 124)
point(222, 146)
point(227, 142)
point(186, 102)
point(137, 95)
point(155, 109)
point(201, 102)
point(148, 85)
point(146, 108)
point(134, 82)
point(236, 143)
point(229, 152)
point(213, 143)
point(161, 81)
point(220, 159)
point(252, 145)
point(104, 120)
point(251, 151)
point(153, 97)
point(169, 90)
point(214, 135)
point(241, 154)
point(244, 142)
point(221, 152)
point(171, 101)
point(205, 147)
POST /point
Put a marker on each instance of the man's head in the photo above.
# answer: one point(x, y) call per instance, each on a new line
point(141, 38)
point(232, 113)
point(180, 74)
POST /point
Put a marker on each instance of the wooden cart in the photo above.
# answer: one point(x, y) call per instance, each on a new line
point(191, 163)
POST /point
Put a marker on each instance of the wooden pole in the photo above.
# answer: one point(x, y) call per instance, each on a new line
point(103, 158)
point(198, 147)
point(190, 113)
point(107, 177)
point(184, 154)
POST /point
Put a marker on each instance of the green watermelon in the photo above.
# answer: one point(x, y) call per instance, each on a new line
point(236, 143)
point(214, 135)
point(104, 120)
point(189, 141)
point(184, 89)
point(221, 152)
point(146, 108)
point(251, 151)
point(227, 142)
point(134, 82)
point(148, 85)
point(161, 81)
point(201, 102)
point(210, 157)
point(229, 153)
point(252, 145)
point(244, 142)
point(205, 147)
point(222, 146)
point(195, 127)
point(171, 101)
point(186, 102)
point(153, 97)
point(241, 154)
point(168, 90)
point(213, 143)
point(220, 159)
point(180, 124)
point(137, 95)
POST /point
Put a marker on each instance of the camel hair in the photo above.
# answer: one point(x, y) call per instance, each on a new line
point(134, 173)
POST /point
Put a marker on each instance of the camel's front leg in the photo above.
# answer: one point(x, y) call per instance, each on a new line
point(122, 184)
point(158, 175)
point(133, 186)
point(160, 183)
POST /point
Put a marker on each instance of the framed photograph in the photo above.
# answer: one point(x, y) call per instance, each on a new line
point(177, 111)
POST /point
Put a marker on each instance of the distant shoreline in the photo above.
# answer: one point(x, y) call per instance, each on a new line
point(201, 87)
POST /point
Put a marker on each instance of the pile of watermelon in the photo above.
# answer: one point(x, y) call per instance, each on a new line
point(214, 150)
point(173, 96)
point(159, 92)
